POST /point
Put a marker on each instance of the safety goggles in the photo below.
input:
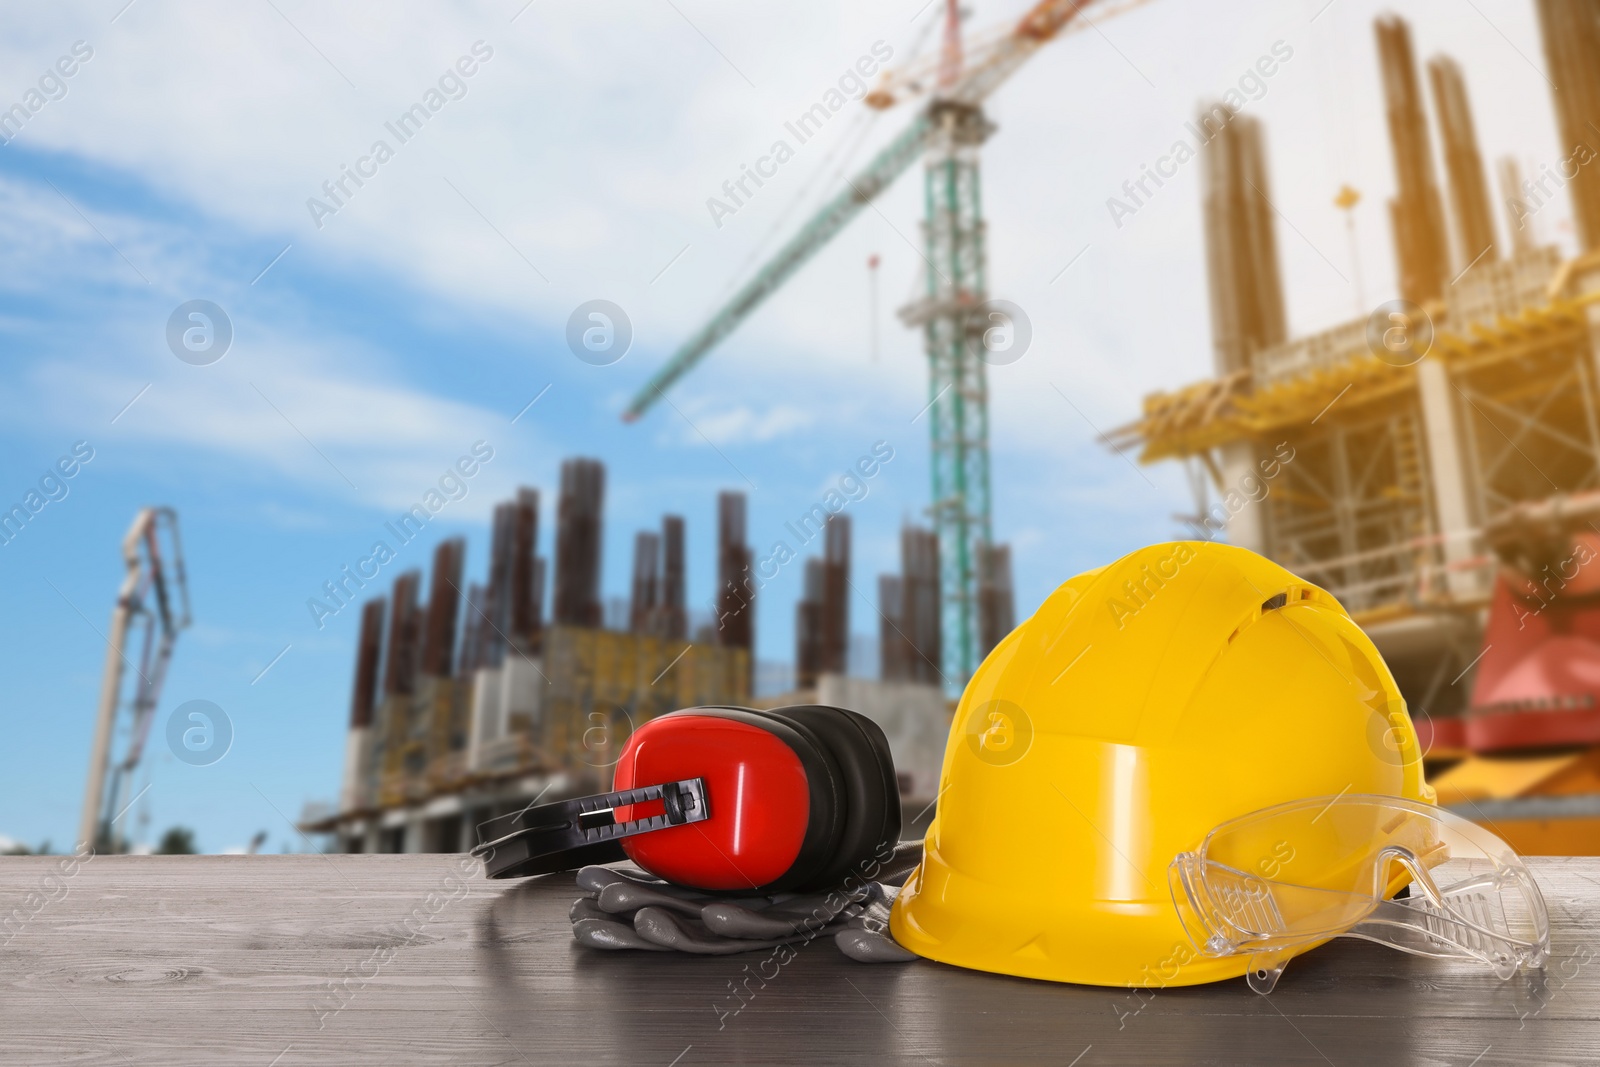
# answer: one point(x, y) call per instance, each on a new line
point(1279, 881)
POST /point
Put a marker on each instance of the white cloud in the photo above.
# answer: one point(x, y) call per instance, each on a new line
point(743, 424)
point(332, 412)
point(389, 441)
point(48, 243)
point(275, 412)
point(592, 138)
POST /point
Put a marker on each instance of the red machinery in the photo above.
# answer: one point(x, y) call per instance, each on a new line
point(1538, 679)
point(1532, 728)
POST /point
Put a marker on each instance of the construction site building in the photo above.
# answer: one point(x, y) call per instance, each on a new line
point(822, 617)
point(1571, 33)
point(446, 735)
point(1463, 163)
point(657, 604)
point(997, 601)
point(892, 643)
point(1247, 311)
point(646, 582)
point(672, 621)
point(578, 523)
point(736, 608)
point(909, 606)
point(1518, 224)
point(1422, 245)
point(1421, 483)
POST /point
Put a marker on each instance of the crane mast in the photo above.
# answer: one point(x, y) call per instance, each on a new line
point(955, 283)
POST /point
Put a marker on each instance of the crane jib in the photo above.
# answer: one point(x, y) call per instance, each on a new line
point(892, 161)
point(1044, 21)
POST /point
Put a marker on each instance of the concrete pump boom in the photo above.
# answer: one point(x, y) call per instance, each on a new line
point(146, 596)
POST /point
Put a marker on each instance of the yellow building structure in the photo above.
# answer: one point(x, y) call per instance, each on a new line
point(1373, 465)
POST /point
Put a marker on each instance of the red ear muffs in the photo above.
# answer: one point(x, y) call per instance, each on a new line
point(729, 799)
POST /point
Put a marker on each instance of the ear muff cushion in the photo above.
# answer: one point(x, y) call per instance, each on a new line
point(872, 795)
point(888, 788)
point(893, 818)
point(829, 802)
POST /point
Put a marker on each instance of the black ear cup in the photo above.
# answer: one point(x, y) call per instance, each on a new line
point(871, 825)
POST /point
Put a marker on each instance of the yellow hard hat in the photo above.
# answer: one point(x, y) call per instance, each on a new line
point(1144, 704)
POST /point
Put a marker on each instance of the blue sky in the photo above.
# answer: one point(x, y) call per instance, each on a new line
point(431, 308)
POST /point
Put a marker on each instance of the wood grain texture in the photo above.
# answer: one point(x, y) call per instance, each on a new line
point(296, 960)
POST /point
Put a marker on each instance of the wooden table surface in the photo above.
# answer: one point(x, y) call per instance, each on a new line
point(326, 960)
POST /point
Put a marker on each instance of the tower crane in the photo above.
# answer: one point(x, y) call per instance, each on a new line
point(947, 133)
point(153, 601)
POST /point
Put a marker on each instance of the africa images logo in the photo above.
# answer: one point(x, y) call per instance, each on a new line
point(199, 733)
point(999, 732)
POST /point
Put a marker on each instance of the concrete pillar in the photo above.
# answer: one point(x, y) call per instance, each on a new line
point(522, 684)
point(1584, 283)
point(357, 750)
point(1446, 469)
point(416, 832)
point(357, 837)
point(397, 832)
point(484, 723)
point(1247, 525)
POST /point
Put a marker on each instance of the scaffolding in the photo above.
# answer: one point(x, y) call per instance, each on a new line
point(1374, 480)
point(1420, 463)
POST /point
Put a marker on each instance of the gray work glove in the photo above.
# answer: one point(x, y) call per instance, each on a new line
point(623, 908)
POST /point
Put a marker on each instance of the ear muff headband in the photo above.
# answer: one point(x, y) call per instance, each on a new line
point(555, 837)
point(737, 800)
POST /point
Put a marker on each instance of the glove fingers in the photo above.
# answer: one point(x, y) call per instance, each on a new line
point(585, 908)
point(864, 946)
point(732, 920)
point(611, 935)
point(799, 915)
point(866, 938)
point(631, 896)
point(667, 917)
point(672, 931)
point(830, 904)
point(592, 879)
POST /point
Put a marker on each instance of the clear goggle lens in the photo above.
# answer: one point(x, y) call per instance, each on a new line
point(1281, 880)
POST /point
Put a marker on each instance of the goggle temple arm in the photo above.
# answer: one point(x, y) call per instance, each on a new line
point(1265, 970)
